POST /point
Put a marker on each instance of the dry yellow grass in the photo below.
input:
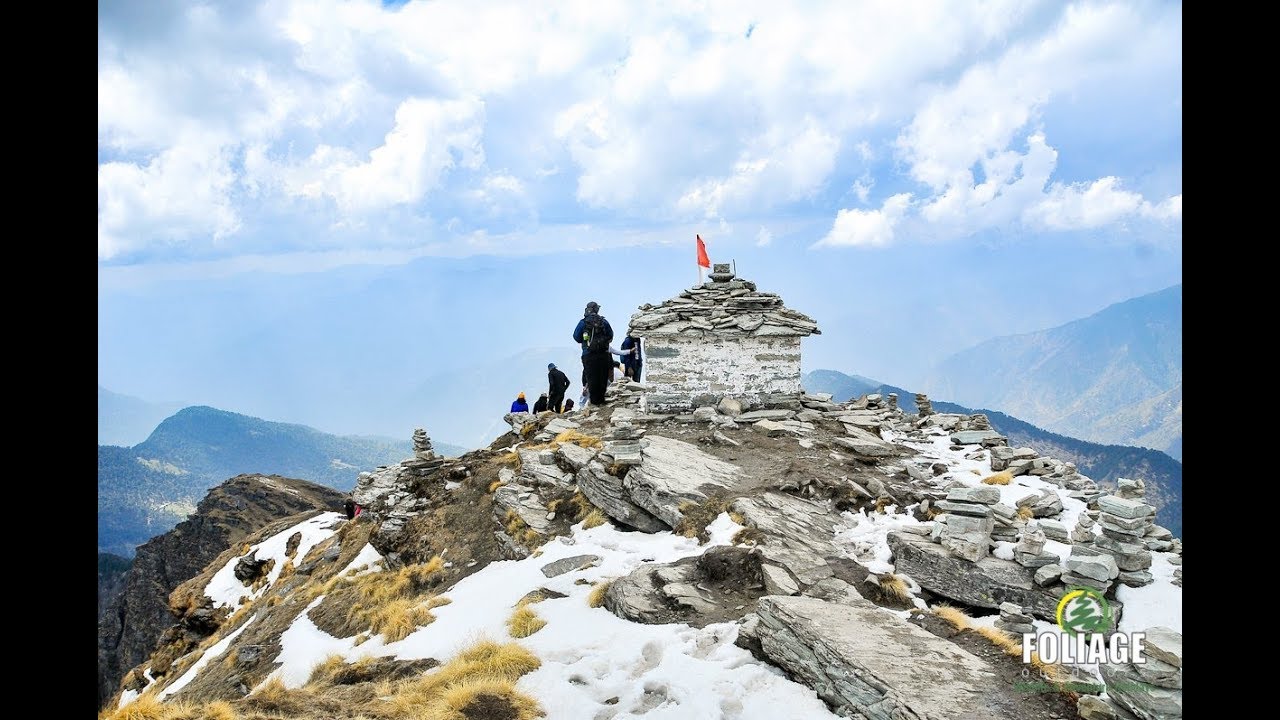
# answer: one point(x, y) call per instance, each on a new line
point(326, 670)
point(1001, 639)
point(144, 707)
point(457, 699)
point(531, 539)
point(596, 597)
point(511, 460)
point(524, 622)
point(396, 620)
point(1025, 513)
point(894, 588)
point(554, 505)
point(594, 519)
point(1004, 477)
point(486, 668)
point(736, 516)
point(882, 503)
point(580, 439)
point(958, 618)
point(218, 710)
point(495, 485)
point(514, 523)
point(391, 603)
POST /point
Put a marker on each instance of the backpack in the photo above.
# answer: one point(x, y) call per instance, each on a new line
point(597, 332)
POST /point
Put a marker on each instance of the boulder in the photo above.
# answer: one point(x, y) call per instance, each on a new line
point(575, 455)
point(867, 663)
point(729, 406)
point(1164, 644)
point(525, 503)
point(985, 494)
point(569, 564)
point(976, 437)
point(1048, 574)
point(790, 522)
point(674, 472)
point(985, 583)
point(1124, 508)
point(1128, 690)
point(1099, 567)
point(605, 491)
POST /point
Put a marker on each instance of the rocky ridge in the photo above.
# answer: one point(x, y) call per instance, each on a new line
point(835, 525)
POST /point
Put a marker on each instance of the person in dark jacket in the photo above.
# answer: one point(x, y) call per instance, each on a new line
point(594, 333)
point(541, 405)
point(568, 405)
point(520, 405)
point(633, 360)
point(557, 383)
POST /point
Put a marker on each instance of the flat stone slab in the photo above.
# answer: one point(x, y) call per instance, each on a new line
point(868, 663)
point(673, 472)
point(975, 437)
point(569, 564)
point(757, 415)
point(1121, 507)
point(791, 522)
point(865, 443)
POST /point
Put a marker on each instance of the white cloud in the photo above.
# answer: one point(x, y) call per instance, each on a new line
point(867, 228)
point(285, 125)
point(180, 194)
point(763, 237)
point(429, 138)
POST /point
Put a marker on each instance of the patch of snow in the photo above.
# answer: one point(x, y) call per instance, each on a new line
point(213, 652)
point(866, 537)
point(589, 655)
point(451, 484)
point(226, 590)
point(1003, 549)
point(1159, 603)
point(127, 697)
point(303, 646)
point(368, 558)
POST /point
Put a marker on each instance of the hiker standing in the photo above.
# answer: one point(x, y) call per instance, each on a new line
point(594, 334)
point(557, 383)
point(520, 405)
point(632, 361)
point(541, 405)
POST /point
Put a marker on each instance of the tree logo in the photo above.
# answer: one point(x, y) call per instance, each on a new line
point(1084, 610)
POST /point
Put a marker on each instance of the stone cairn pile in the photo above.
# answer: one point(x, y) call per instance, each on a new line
point(424, 460)
point(727, 306)
point(924, 408)
point(1152, 689)
point(1030, 552)
point(966, 527)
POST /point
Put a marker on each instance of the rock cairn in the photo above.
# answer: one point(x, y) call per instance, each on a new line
point(1015, 619)
point(966, 527)
point(1152, 689)
point(727, 307)
point(979, 421)
point(1124, 524)
point(1083, 533)
point(424, 460)
point(923, 407)
point(1007, 523)
point(422, 449)
point(893, 401)
point(1030, 552)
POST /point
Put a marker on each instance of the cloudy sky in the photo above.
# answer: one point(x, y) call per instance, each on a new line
point(966, 168)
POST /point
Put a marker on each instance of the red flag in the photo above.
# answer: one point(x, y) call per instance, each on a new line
point(703, 260)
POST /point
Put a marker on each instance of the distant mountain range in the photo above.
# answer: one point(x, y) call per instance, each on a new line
point(1112, 377)
point(126, 420)
point(1103, 463)
point(146, 489)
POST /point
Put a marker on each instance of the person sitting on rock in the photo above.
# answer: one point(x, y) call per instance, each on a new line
point(568, 405)
point(520, 406)
point(541, 405)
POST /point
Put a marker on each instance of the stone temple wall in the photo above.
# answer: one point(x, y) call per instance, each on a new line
point(682, 370)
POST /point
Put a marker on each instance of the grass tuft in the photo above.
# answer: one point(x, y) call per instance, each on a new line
point(958, 618)
point(1004, 477)
point(1025, 513)
point(524, 622)
point(596, 597)
point(893, 587)
point(748, 536)
point(594, 519)
point(1007, 643)
point(580, 439)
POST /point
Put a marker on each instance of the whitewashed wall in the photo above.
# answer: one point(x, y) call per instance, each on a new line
point(744, 368)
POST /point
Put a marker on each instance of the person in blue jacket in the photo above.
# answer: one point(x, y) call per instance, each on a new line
point(594, 334)
point(520, 405)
